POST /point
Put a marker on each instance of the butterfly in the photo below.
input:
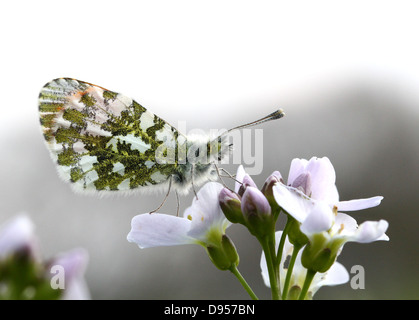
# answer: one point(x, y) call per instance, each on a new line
point(103, 141)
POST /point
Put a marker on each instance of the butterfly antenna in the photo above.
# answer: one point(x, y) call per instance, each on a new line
point(278, 114)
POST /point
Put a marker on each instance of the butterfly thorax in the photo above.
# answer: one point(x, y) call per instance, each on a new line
point(197, 160)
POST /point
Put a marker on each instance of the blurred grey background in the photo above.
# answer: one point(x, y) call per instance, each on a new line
point(346, 76)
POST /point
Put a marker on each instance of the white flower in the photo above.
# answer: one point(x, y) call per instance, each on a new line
point(311, 198)
point(18, 234)
point(74, 263)
point(316, 178)
point(346, 229)
point(202, 223)
point(336, 275)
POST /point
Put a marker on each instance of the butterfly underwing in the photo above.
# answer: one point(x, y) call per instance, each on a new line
point(103, 141)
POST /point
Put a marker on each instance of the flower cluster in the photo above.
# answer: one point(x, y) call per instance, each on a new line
point(315, 232)
point(23, 274)
point(296, 261)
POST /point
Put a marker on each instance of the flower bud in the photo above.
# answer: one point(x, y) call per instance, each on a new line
point(247, 182)
point(224, 256)
point(230, 250)
point(230, 203)
point(256, 212)
point(17, 235)
point(294, 292)
point(268, 192)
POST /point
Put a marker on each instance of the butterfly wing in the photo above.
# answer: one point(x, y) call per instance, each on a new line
point(103, 140)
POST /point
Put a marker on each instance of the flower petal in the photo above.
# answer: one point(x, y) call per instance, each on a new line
point(370, 231)
point(293, 201)
point(17, 233)
point(359, 204)
point(74, 263)
point(254, 203)
point(264, 270)
point(239, 177)
point(154, 230)
point(303, 183)
point(76, 290)
point(318, 220)
point(297, 167)
point(337, 274)
point(344, 225)
point(206, 211)
point(323, 178)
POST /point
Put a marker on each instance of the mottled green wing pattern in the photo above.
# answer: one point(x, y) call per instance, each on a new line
point(103, 140)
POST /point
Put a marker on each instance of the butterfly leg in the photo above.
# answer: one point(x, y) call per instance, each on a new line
point(165, 198)
point(193, 186)
point(231, 176)
point(219, 176)
point(178, 204)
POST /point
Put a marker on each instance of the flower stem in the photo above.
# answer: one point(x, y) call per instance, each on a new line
point(282, 242)
point(309, 278)
point(289, 272)
point(268, 247)
point(243, 282)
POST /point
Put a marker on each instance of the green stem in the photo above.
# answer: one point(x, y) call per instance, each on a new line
point(289, 272)
point(268, 247)
point(243, 282)
point(282, 241)
point(309, 278)
point(281, 248)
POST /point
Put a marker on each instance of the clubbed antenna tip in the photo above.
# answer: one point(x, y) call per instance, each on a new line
point(278, 114)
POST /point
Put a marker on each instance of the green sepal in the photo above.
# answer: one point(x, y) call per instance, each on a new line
point(294, 293)
point(295, 236)
point(232, 210)
point(24, 278)
point(317, 254)
point(260, 226)
point(224, 256)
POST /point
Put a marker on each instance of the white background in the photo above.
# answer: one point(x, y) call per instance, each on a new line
point(345, 72)
point(177, 57)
